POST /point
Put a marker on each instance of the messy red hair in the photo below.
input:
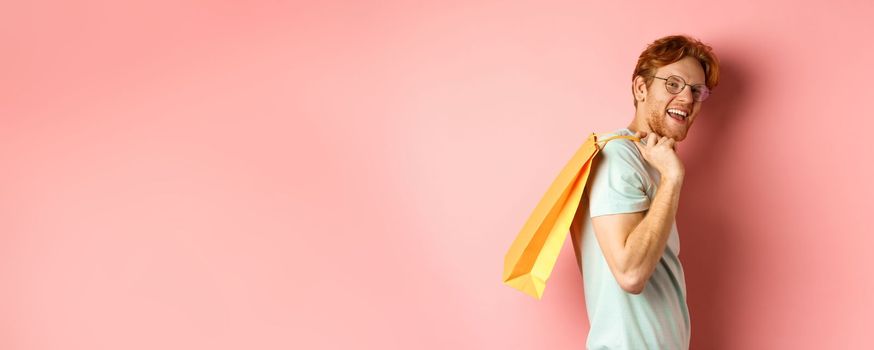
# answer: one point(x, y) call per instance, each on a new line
point(670, 49)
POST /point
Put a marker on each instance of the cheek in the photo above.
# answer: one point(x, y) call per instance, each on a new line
point(662, 101)
point(658, 106)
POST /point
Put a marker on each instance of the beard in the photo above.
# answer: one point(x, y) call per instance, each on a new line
point(658, 123)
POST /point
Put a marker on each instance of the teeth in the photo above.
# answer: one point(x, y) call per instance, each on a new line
point(677, 111)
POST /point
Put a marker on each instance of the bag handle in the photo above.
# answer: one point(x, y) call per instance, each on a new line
point(632, 138)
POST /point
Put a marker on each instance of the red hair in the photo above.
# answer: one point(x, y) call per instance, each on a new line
point(670, 49)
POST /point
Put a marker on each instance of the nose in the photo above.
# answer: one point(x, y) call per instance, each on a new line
point(686, 93)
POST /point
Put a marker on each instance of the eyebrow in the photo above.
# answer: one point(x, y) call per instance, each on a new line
point(684, 78)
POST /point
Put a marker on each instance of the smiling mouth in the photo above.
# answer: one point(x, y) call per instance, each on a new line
point(678, 115)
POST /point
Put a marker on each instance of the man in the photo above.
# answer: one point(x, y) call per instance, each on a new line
point(634, 284)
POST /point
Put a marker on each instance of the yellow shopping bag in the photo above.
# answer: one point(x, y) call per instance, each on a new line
point(529, 262)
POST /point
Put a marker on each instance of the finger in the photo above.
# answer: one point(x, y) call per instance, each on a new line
point(651, 140)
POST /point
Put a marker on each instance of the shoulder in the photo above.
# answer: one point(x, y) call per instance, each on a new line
point(620, 181)
point(620, 150)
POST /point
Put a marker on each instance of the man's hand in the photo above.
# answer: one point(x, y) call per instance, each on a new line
point(660, 152)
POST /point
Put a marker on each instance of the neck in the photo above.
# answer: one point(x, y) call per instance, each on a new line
point(639, 124)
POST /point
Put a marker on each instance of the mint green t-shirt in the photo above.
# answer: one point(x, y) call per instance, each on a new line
point(621, 181)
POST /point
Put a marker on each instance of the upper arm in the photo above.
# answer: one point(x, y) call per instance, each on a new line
point(618, 202)
point(612, 231)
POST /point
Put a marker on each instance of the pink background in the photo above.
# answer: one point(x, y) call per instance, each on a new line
point(281, 175)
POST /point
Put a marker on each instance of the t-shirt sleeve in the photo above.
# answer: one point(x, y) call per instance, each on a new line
point(617, 182)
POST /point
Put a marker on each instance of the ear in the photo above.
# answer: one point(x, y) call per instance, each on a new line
point(638, 87)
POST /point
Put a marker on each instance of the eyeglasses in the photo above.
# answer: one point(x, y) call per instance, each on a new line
point(674, 84)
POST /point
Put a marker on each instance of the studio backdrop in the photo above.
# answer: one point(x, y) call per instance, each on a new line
point(349, 174)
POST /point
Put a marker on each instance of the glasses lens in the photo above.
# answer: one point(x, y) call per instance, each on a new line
point(700, 92)
point(674, 84)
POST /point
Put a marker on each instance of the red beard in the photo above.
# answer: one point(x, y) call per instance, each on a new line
point(658, 123)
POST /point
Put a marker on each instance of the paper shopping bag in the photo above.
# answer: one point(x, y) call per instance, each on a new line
point(532, 256)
